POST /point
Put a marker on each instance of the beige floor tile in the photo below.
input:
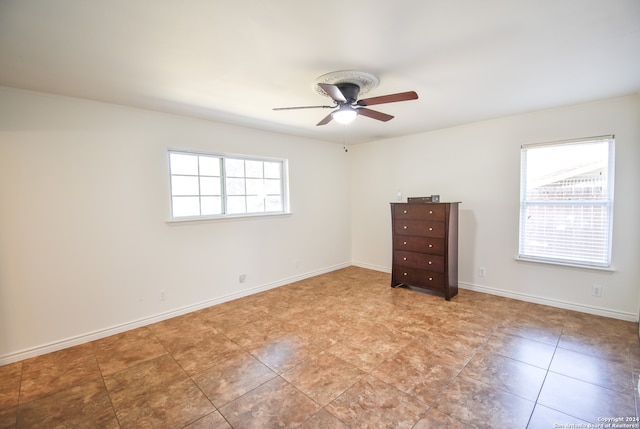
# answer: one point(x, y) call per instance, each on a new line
point(434, 419)
point(602, 372)
point(545, 418)
point(423, 379)
point(275, 404)
point(210, 421)
point(323, 377)
point(143, 379)
point(323, 420)
point(125, 350)
point(233, 378)
point(521, 349)
point(203, 352)
point(285, 352)
point(10, 377)
point(584, 401)
point(484, 406)
point(50, 373)
point(372, 403)
point(85, 405)
point(177, 405)
point(505, 373)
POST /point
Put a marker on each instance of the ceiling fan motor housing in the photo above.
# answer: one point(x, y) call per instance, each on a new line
point(349, 90)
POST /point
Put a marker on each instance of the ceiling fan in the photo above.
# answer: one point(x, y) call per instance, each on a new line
point(344, 87)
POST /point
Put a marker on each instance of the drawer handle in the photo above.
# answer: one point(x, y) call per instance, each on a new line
point(405, 274)
point(405, 212)
point(404, 259)
point(430, 262)
point(430, 278)
point(430, 229)
point(430, 211)
point(405, 227)
point(431, 245)
point(404, 242)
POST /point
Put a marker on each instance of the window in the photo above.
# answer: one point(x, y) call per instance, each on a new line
point(566, 201)
point(207, 185)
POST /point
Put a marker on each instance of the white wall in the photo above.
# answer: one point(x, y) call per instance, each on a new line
point(85, 247)
point(479, 165)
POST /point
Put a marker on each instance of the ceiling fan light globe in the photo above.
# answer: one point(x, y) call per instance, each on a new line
point(344, 116)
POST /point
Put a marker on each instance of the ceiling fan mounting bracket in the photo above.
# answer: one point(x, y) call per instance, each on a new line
point(346, 80)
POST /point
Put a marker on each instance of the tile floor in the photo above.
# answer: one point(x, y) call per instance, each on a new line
point(341, 350)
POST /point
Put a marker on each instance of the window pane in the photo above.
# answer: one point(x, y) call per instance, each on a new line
point(273, 204)
point(235, 187)
point(184, 185)
point(273, 170)
point(254, 168)
point(234, 167)
point(210, 186)
point(567, 172)
point(236, 205)
point(183, 164)
point(255, 187)
point(209, 166)
point(185, 206)
point(255, 204)
point(211, 205)
point(273, 187)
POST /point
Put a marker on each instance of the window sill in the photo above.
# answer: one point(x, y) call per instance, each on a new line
point(565, 264)
point(191, 220)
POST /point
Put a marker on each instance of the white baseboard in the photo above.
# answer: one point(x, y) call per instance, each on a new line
point(99, 334)
point(371, 266)
point(103, 333)
point(631, 317)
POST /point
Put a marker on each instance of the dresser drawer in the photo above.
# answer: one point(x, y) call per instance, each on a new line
point(419, 211)
point(422, 261)
point(434, 246)
point(419, 228)
point(418, 278)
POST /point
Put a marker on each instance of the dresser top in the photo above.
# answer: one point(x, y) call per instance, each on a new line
point(417, 203)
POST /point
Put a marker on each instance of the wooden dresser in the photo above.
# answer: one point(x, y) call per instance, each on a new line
point(425, 246)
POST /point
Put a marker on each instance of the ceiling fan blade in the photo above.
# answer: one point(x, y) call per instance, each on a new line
point(374, 114)
point(304, 107)
point(326, 120)
point(333, 91)
point(391, 98)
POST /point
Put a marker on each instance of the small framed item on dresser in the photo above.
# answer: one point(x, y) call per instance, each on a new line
point(413, 200)
point(431, 199)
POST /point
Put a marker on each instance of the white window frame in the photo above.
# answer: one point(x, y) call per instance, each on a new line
point(224, 213)
point(555, 238)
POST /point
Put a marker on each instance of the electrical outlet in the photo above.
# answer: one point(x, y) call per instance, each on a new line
point(242, 278)
point(483, 272)
point(597, 290)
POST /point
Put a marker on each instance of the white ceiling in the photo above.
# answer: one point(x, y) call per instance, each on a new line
point(234, 60)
